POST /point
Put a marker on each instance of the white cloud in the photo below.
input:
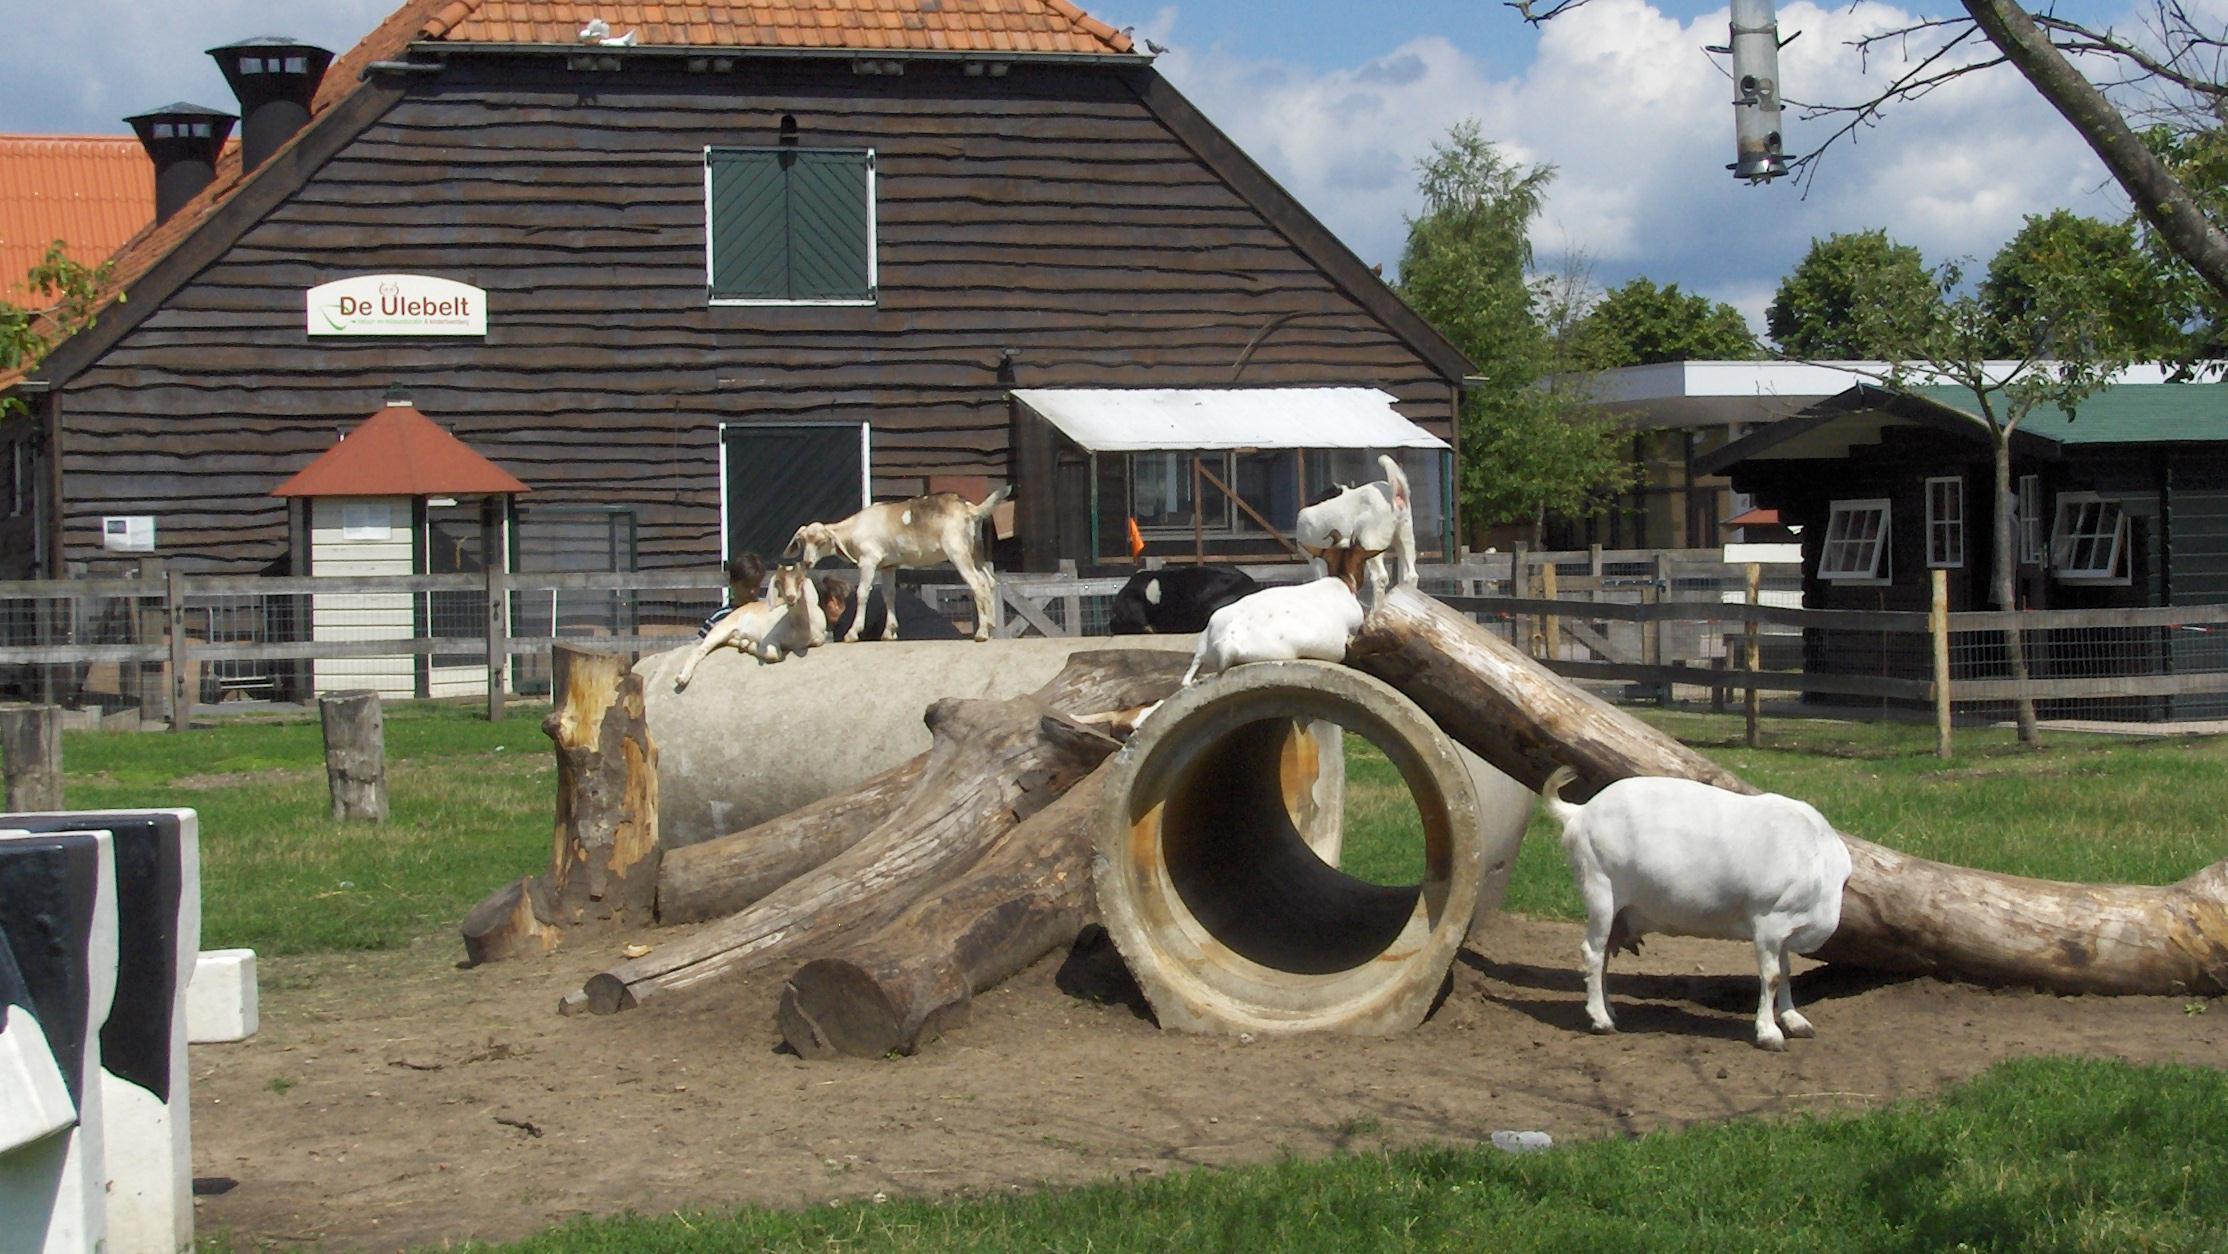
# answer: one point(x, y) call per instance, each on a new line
point(1638, 121)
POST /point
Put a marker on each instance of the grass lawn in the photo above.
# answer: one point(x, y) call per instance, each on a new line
point(2043, 1154)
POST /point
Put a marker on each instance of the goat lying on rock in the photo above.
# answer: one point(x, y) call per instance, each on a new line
point(1686, 859)
point(788, 622)
point(924, 531)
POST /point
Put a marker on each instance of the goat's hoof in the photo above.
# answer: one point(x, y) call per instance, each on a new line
point(1774, 1042)
point(1797, 1026)
point(1603, 1028)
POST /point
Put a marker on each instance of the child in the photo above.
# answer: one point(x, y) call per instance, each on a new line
point(746, 573)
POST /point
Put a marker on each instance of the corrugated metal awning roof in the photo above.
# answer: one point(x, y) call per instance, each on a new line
point(1113, 420)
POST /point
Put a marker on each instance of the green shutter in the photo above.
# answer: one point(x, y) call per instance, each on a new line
point(828, 227)
point(749, 225)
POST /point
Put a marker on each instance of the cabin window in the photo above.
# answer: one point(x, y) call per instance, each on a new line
point(2088, 542)
point(1160, 491)
point(2030, 520)
point(365, 520)
point(789, 226)
point(1945, 522)
point(1856, 543)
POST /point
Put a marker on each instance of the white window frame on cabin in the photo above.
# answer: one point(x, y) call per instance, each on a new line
point(1945, 531)
point(2101, 522)
point(2029, 514)
point(873, 297)
point(1841, 559)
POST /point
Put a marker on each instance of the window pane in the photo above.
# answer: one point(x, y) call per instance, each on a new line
point(1269, 481)
point(1160, 489)
point(828, 226)
point(749, 225)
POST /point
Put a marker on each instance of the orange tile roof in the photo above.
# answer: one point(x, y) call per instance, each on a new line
point(92, 192)
point(1006, 26)
point(398, 451)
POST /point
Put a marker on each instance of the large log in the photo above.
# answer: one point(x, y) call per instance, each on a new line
point(604, 850)
point(991, 765)
point(355, 755)
point(1898, 913)
point(716, 878)
point(915, 977)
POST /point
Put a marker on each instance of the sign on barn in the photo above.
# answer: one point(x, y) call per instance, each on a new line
point(396, 304)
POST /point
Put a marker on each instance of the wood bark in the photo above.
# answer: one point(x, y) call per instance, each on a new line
point(915, 977)
point(991, 765)
point(31, 749)
point(604, 850)
point(717, 877)
point(355, 755)
point(1898, 913)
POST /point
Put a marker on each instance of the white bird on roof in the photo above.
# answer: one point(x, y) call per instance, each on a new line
point(596, 29)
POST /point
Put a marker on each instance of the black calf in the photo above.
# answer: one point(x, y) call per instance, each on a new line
point(1176, 599)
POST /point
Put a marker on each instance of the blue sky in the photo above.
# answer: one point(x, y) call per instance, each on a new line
point(1339, 100)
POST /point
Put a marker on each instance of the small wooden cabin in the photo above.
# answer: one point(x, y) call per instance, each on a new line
point(2122, 503)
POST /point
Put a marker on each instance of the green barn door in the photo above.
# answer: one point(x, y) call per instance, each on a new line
point(778, 478)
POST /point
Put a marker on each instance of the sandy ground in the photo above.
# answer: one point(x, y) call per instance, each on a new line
point(394, 1099)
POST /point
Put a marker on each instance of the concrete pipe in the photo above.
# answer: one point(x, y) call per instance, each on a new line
point(1228, 920)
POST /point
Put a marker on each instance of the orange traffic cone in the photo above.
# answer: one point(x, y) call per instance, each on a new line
point(1136, 540)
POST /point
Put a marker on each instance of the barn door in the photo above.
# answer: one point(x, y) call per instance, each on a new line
point(777, 478)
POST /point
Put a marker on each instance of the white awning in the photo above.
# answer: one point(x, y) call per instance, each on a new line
point(1109, 420)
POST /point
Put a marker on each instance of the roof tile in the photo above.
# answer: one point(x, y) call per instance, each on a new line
point(398, 451)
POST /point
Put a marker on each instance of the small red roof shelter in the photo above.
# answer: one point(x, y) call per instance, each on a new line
point(398, 451)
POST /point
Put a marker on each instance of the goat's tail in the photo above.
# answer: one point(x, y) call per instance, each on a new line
point(1397, 478)
point(991, 502)
point(1551, 796)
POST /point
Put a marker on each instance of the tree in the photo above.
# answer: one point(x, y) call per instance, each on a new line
point(2062, 259)
point(71, 291)
point(1527, 450)
point(1858, 296)
point(1640, 324)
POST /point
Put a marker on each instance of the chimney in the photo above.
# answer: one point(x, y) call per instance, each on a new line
point(183, 141)
point(275, 79)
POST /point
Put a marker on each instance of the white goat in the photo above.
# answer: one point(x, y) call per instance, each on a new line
point(1686, 859)
point(787, 623)
point(1288, 622)
point(925, 531)
point(1376, 516)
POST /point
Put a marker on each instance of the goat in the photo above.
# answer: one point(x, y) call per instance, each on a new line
point(1377, 516)
point(1288, 622)
point(1686, 859)
point(1176, 599)
point(925, 531)
point(785, 624)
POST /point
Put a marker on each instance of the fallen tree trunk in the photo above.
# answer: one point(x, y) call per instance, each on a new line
point(1898, 913)
point(718, 877)
point(604, 849)
point(915, 977)
point(992, 765)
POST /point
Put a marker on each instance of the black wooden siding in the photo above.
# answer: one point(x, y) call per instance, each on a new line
point(1047, 212)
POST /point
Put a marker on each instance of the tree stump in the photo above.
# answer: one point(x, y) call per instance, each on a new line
point(355, 755)
point(604, 852)
point(31, 749)
point(1898, 913)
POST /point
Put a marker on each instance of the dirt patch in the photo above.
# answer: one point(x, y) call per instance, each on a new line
point(394, 1100)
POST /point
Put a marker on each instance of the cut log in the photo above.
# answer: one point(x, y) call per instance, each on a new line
point(1898, 913)
point(992, 764)
point(355, 755)
point(604, 850)
point(915, 977)
point(718, 877)
point(31, 755)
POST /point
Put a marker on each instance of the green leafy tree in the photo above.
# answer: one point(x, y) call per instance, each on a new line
point(1527, 450)
point(1640, 324)
point(2127, 296)
point(69, 292)
point(1855, 297)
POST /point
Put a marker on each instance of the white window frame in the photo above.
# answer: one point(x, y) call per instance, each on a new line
point(866, 468)
point(1945, 536)
point(2032, 540)
point(2068, 529)
point(873, 238)
point(1881, 569)
point(367, 521)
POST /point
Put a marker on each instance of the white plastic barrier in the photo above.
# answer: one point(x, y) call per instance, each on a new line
point(222, 1003)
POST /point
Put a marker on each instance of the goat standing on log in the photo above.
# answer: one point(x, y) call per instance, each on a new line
point(1286, 623)
point(1176, 599)
point(925, 531)
point(1686, 859)
point(1376, 516)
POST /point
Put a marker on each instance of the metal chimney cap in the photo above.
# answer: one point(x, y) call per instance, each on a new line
point(266, 42)
point(180, 109)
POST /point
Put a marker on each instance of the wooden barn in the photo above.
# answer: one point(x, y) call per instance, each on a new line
point(697, 274)
point(2121, 504)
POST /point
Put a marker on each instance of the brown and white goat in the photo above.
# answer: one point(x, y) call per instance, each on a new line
point(789, 621)
point(924, 531)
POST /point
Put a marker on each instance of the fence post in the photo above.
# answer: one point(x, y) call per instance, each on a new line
point(31, 741)
point(1659, 591)
point(498, 640)
point(355, 754)
point(1551, 625)
point(181, 680)
point(149, 681)
point(1520, 587)
point(1071, 604)
point(1937, 626)
point(1753, 704)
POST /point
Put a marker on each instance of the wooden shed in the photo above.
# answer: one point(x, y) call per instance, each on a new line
point(740, 265)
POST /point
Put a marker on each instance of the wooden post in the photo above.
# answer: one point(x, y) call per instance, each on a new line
point(31, 751)
point(1937, 626)
point(1071, 605)
point(1754, 701)
point(1198, 515)
point(148, 682)
point(355, 755)
point(1520, 587)
point(1717, 690)
point(1651, 634)
point(181, 680)
point(498, 641)
point(1551, 626)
